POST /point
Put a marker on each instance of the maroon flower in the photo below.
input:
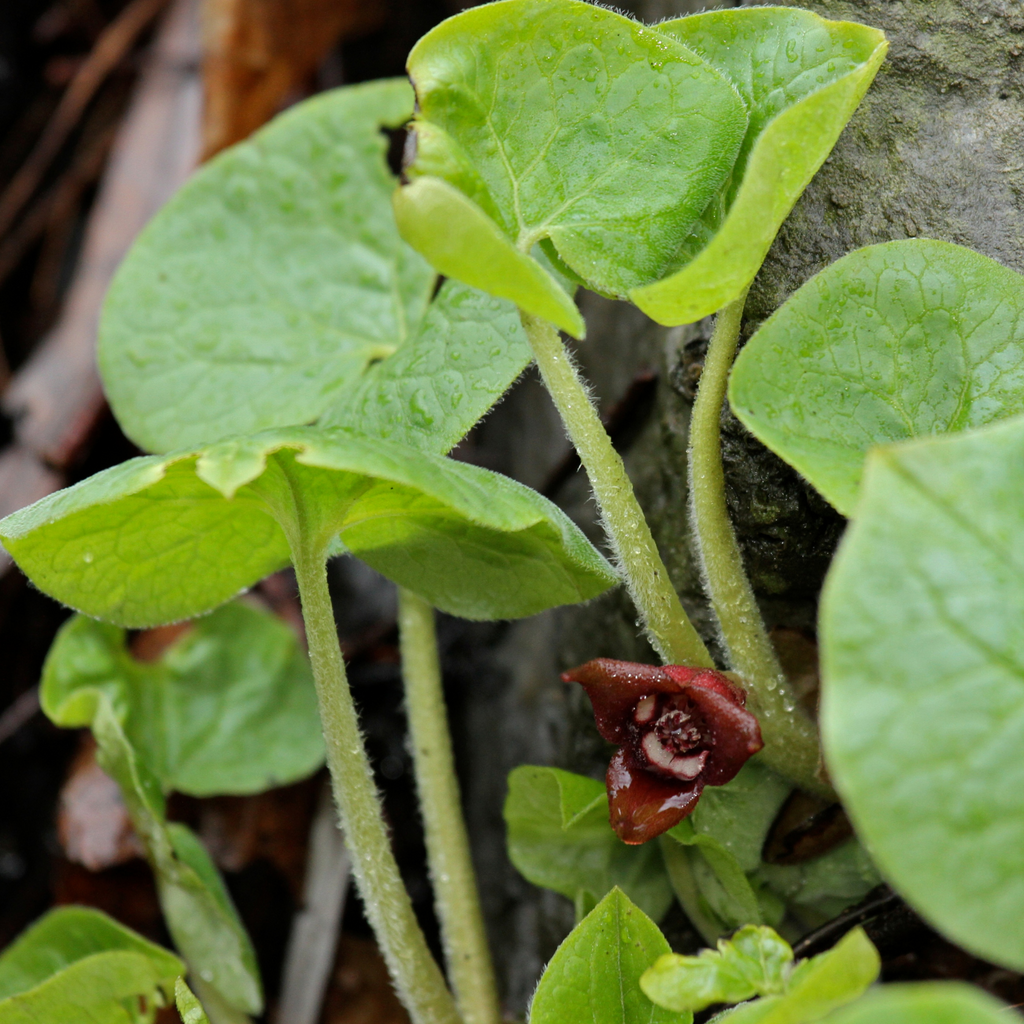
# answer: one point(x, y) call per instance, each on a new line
point(678, 730)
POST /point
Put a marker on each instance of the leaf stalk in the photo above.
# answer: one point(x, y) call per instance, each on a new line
point(791, 739)
point(416, 976)
point(456, 893)
point(666, 623)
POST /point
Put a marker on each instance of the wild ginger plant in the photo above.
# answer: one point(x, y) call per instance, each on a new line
point(283, 351)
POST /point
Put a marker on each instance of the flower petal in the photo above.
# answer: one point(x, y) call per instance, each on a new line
point(736, 736)
point(614, 687)
point(642, 805)
point(709, 679)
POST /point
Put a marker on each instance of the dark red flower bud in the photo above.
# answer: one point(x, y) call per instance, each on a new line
point(678, 730)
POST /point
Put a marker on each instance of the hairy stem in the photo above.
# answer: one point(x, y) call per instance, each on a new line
point(451, 867)
point(790, 737)
point(416, 976)
point(668, 628)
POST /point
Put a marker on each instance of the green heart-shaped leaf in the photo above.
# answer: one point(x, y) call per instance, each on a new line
point(594, 975)
point(560, 122)
point(274, 289)
point(801, 78)
point(922, 627)
point(163, 538)
point(559, 838)
point(229, 707)
point(930, 1002)
point(78, 966)
point(894, 341)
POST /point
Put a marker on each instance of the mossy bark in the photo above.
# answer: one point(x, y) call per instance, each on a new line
point(936, 150)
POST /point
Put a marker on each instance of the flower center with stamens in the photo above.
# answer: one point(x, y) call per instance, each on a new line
point(670, 732)
point(677, 731)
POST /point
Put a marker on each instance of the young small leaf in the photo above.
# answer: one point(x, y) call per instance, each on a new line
point(189, 1008)
point(891, 342)
point(229, 707)
point(754, 962)
point(560, 121)
point(169, 537)
point(930, 1002)
point(559, 838)
point(78, 966)
point(828, 981)
point(594, 975)
point(922, 625)
point(274, 288)
point(801, 78)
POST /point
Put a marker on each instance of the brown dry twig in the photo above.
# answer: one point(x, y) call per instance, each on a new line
point(18, 713)
point(58, 202)
point(55, 397)
point(110, 49)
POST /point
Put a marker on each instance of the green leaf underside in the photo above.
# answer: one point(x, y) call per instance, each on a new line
point(709, 856)
point(478, 252)
point(229, 708)
point(559, 838)
point(820, 889)
point(205, 924)
point(163, 538)
point(594, 976)
point(568, 122)
point(895, 341)
point(739, 814)
point(78, 966)
point(801, 78)
point(922, 626)
point(709, 881)
point(933, 1002)
point(197, 910)
point(274, 289)
point(189, 1008)
point(757, 962)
